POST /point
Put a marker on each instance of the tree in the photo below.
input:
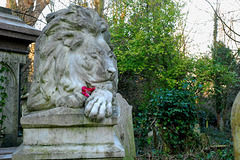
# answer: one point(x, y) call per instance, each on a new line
point(224, 24)
point(145, 40)
point(223, 61)
point(223, 76)
point(148, 47)
point(218, 76)
point(27, 10)
point(218, 73)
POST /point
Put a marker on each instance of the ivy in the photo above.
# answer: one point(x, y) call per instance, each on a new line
point(171, 115)
point(3, 95)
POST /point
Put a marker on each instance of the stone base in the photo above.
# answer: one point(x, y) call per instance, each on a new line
point(97, 151)
point(65, 133)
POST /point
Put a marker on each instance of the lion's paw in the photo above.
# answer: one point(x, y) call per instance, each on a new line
point(99, 105)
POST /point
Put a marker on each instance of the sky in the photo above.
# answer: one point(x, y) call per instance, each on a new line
point(199, 24)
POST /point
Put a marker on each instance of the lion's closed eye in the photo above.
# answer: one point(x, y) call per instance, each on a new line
point(94, 55)
point(112, 56)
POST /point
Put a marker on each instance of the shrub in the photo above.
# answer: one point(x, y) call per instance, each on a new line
point(173, 116)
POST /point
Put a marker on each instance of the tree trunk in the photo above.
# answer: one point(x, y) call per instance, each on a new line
point(218, 120)
point(155, 139)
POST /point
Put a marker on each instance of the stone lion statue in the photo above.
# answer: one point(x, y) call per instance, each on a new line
point(74, 64)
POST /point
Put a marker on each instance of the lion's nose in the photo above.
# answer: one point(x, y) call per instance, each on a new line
point(111, 70)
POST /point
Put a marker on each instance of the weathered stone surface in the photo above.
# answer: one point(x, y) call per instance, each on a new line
point(12, 57)
point(73, 135)
point(70, 151)
point(235, 126)
point(74, 51)
point(65, 133)
point(10, 110)
point(63, 117)
point(72, 106)
point(124, 130)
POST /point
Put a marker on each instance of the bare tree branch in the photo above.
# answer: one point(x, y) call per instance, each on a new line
point(229, 35)
point(224, 24)
point(25, 14)
point(28, 10)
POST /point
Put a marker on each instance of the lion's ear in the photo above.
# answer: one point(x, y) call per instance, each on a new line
point(53, 15)
point(50, 17)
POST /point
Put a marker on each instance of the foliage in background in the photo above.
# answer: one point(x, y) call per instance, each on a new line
point(146, 43)
point(3, 95)
point(151, 55)
point(171, 115)
point(205, 152)
point(220, 79)
point(224, 76)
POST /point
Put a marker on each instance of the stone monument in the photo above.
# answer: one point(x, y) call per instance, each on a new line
point(15, 37)
point(72, 106)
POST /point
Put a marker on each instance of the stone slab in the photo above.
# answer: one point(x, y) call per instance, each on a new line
point(14, 24)
point(6, 157)
point(75, 135)
point(6, 153)
point(8, 150)
point(100, 151)
point(15, 35)
point(62, 117)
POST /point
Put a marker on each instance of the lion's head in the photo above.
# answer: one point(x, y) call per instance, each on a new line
point(72, 51)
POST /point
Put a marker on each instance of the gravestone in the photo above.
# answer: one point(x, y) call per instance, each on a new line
point(124, 129)
point(15, 36)
point(72, 106)
point(235, 127)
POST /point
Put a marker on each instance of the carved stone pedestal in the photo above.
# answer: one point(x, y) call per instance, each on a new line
point(65, 133)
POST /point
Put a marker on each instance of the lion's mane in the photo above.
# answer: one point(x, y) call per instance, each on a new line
point(61, 35)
